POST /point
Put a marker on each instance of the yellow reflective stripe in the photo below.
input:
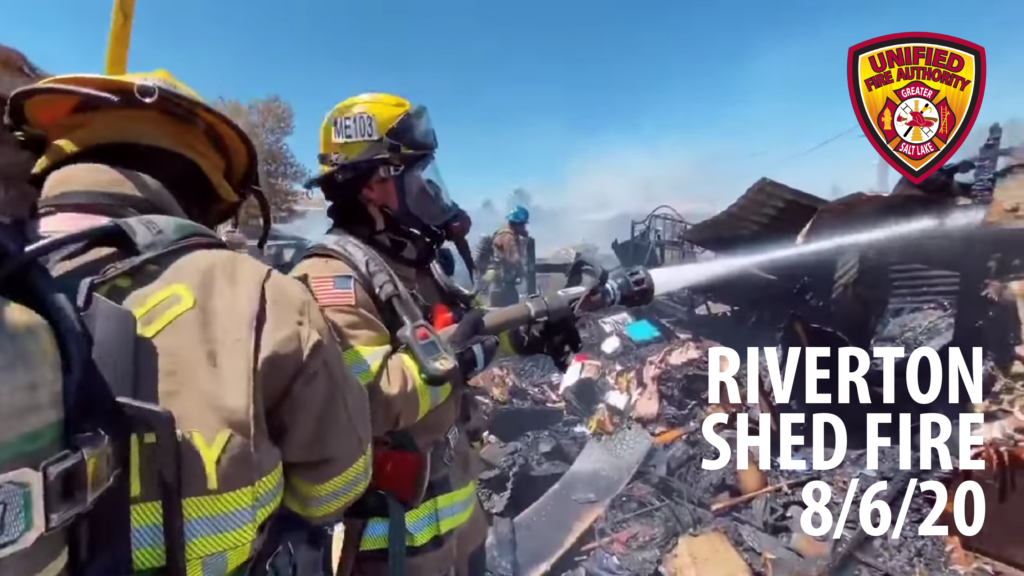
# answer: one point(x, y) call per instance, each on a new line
point(505, 346)
point(429, 396)
point(433, 518)
point(185, 300)
point(364, 361)
point(219, 564)
point(317, 500)
point(224, 524)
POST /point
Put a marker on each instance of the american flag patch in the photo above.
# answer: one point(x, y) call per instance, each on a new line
point(334, 290)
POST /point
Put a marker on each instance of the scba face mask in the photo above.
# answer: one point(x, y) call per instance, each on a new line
point(422, 196)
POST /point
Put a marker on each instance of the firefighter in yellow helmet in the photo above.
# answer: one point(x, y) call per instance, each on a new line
point(236, 422)
point(375, 280)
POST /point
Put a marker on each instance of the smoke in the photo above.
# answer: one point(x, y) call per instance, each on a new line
point(597, 197)
point(1013, 135)
point(599, 194)
point(593, 201)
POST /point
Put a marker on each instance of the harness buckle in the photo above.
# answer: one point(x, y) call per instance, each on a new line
point(282, 562)
point(450, 439)
point(74, 479)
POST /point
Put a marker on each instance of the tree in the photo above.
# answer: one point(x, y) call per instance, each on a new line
point(269, 122)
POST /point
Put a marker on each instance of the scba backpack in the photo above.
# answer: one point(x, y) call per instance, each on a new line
point(69, 403)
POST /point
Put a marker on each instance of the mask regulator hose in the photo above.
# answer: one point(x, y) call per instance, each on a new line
point(457, 232)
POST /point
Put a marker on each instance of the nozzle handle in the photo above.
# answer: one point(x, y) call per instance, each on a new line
point(503, 319)
point(533, 310)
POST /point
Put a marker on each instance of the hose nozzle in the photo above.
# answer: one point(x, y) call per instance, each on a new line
point(630, 287)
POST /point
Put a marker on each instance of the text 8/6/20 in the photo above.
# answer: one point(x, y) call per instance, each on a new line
point(875, 515)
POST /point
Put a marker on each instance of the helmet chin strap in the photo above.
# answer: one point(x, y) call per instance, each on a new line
point(421, 243)
point(407, 245)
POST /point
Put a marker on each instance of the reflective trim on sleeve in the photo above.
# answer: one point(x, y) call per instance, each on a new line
point(432, 519)
point(219, 529)
point(430, 396)
point(365, 361)
point(314, 501)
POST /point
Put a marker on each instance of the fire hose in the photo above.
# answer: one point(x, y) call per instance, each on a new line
point(530, 544)
point(588, 288)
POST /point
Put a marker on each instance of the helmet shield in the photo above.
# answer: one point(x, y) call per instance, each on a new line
point(423, 197)
point(414, 132)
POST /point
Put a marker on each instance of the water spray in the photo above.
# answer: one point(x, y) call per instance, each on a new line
point(694, 275)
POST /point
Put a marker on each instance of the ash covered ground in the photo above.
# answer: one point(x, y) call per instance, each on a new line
point(673, 517)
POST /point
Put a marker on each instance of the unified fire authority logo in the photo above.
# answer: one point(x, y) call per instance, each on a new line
point(916, 96)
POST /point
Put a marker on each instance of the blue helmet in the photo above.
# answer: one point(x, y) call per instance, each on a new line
point(519, 215)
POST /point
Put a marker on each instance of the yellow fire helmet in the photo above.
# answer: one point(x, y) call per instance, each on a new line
point(374, 127)
point(80, 111)
point(388, 132)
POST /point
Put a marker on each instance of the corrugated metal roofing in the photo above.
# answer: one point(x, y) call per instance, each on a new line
point(915, 285)
point(767, 212)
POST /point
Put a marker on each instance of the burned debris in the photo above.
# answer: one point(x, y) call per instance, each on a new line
point(641, 385)
point(668, 513)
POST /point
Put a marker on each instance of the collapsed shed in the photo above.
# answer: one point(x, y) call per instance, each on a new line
point(769, 214)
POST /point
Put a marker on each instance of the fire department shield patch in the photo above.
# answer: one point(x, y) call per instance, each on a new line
point(916, 96)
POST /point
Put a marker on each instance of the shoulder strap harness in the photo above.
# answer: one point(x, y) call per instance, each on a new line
point(85, 488)
point(402, 315)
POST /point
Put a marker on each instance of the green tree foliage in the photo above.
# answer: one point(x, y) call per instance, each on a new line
point(270, 122)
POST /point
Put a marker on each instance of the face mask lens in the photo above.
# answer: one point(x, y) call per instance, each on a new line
point(425, 196)
point(435, 184)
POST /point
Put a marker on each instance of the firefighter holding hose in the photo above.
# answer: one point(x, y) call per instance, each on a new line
point(373, 278)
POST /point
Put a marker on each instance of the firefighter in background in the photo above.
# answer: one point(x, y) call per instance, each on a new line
point(508, 262)
point(374, 277)
point(234, 356)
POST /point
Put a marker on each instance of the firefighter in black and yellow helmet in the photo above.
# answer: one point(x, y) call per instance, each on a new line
point(374, 279)
point(242, 419)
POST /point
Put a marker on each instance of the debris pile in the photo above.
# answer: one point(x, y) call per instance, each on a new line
point(670, 516)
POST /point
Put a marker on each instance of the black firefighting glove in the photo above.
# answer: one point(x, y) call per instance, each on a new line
point(558, 340)
point(473, 349)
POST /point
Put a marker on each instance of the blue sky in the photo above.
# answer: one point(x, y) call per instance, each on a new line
point(603, 104)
